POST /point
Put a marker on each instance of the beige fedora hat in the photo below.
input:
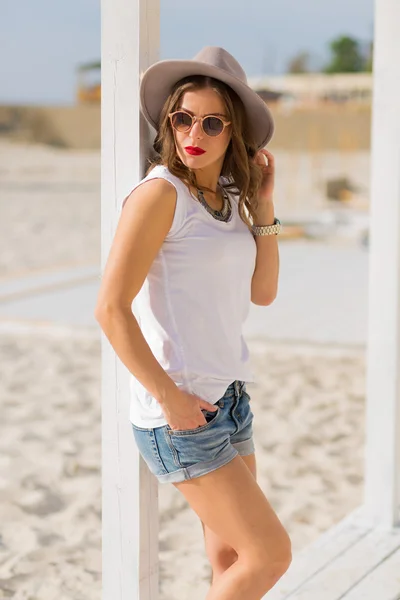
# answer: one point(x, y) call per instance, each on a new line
point(158, 80)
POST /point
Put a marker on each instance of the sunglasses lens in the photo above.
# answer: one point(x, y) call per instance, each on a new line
point(181, 121)
point(213, 126)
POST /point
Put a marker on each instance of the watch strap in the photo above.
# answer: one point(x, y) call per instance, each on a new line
point(273, 229)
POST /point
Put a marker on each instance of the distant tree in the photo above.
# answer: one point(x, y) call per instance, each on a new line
point(369, 58)
point(346, 57)
point(299, 63)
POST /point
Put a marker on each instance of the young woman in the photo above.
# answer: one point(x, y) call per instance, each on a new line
point(195, 244)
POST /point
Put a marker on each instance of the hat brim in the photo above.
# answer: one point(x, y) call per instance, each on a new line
point(158, 80)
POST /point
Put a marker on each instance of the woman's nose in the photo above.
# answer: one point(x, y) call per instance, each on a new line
point(196, 131)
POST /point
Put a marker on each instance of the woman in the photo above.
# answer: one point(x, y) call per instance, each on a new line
point(195, 244)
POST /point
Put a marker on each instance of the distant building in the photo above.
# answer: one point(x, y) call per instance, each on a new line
point(316, 88)
point(269, 96)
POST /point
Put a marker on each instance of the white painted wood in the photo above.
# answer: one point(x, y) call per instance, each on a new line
point(315, 557)
point(130, 40)
point(339, 561)
point(382, 490)
point(348, 569)
point(382, 583)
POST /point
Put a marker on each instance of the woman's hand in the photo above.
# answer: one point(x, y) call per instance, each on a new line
point(183, 410)
point(266, 191)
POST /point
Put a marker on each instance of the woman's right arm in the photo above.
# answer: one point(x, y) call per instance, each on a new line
point(144, 222)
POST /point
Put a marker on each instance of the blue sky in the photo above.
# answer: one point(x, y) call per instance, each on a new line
point(42, 41)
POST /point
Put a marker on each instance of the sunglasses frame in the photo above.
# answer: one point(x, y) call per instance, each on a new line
point(201, 119)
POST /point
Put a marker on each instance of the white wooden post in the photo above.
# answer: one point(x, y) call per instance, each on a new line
point(130, 42)
point(382, 489)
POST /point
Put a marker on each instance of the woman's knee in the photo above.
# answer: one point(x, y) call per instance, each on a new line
point(265, 572)
point(272, 563)
point(221, 558)
point(282, 556)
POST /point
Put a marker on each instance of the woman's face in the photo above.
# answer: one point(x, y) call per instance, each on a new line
point(201, 103)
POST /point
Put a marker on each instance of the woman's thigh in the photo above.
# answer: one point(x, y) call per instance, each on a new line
point(232, 505)
point(250, 462)
point(214, 544)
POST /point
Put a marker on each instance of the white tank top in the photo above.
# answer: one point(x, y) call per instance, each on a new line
point(193, 303)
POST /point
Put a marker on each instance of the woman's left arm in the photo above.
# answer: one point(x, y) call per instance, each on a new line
point(264, 283)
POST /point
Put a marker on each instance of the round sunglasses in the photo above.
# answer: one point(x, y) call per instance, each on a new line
point(183, 122)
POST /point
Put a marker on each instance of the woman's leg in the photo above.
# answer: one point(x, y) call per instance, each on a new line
point(232, 505)
point(220, 554)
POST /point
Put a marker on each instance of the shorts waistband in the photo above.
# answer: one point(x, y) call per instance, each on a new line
point(236, 387)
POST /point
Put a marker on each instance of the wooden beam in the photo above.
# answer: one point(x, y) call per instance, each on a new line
point(130, 42)
point(382, 489)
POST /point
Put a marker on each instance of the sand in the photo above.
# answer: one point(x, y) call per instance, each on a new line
point(308, 409)
point(49, 208)
point(308, 405)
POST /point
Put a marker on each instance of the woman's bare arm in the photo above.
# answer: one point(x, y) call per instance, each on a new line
point(144, 222)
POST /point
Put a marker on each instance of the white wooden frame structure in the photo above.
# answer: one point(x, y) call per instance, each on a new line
point(382, 491)
point(130, 41)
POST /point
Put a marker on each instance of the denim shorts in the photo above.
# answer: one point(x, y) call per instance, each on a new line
point(177, 455)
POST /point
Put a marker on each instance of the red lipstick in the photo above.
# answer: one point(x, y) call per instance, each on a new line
point(194, 151)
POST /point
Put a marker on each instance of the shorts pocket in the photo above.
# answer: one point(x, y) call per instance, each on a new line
point(211, 418)
point(147, 445)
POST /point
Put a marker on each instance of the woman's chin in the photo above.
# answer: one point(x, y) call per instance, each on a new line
point(193, 162)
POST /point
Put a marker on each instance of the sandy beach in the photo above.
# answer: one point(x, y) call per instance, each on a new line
point(50, 208)
point(308, 424)
point(308, 404)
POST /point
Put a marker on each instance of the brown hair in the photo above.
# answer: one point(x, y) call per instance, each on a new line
point(243, 176)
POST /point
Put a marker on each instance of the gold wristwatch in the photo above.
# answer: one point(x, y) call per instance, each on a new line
point(267, 229)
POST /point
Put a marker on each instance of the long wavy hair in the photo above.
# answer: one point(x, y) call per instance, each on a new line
point(242, 176)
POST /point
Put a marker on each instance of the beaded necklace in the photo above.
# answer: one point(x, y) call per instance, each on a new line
point(220, 215)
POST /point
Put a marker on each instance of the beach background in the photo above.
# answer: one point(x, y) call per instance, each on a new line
point(308, 353)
